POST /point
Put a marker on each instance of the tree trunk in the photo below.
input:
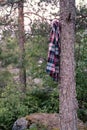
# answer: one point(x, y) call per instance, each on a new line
point(21, 41)
point(67, 90)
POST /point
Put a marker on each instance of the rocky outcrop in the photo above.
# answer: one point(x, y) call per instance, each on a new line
point(49, 121)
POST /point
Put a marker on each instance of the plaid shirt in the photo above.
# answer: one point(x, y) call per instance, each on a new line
point(53, 62)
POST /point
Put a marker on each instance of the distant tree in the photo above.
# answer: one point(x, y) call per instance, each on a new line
point(21, 36)
point(21, 41)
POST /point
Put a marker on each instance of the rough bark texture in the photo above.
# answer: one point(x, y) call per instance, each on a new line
point(67, 92)
point(21, 41)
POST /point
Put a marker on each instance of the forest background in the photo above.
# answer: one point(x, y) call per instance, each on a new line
point(41, 91)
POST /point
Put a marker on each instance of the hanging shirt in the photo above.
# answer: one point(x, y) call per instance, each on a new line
point(53, 62)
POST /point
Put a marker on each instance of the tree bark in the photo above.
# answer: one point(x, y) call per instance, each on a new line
point(21, 41)
point(67, 90)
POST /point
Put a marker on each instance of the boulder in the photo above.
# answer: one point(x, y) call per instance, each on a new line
point(20, 124)
point(51, 121)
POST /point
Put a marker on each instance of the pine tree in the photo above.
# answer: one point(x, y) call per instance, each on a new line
point(67, 92)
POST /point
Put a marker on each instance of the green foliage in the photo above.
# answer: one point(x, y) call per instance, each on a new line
point(9, 52)
point(39, 98)
point(42, 97)
point(81, 21)
point(37, 127)
point(42, 100)
point(81, 73)
point(82, 94)
point(36, 57)
point(5, 77)
point(11, 106)
point(40, 28)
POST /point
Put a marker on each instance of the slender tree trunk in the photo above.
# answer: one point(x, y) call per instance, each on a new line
point(21, 41)
point(67, 90)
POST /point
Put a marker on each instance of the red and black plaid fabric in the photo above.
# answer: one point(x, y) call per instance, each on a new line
point(53, 62)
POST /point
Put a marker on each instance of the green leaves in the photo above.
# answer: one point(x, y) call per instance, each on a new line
point(81, 69)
